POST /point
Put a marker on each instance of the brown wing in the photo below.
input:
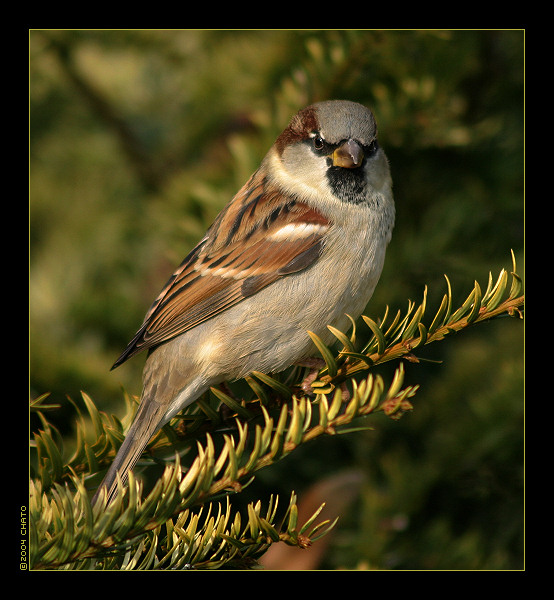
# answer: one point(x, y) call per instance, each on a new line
point(259, 237)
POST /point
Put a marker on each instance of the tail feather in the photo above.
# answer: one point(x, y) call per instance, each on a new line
point(149, 418)
point(161, 400)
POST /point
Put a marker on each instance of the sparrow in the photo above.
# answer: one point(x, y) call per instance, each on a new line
point(299, 247)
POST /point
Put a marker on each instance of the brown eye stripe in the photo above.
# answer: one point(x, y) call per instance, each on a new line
point(300, 127)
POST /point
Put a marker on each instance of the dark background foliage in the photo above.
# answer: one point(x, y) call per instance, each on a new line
point(137, 140)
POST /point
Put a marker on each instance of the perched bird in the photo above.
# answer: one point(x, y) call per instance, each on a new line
point(299, 247)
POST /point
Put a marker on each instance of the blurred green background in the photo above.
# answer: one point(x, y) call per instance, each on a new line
point(139, 138)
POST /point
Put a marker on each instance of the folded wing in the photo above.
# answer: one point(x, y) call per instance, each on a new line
point(259, 237)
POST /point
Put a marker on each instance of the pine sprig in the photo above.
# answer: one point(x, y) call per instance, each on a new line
point(181, 522)
point(89, 532)
point(399, 336)
point(125, 537)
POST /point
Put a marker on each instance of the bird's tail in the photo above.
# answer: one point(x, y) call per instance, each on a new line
point(149, 418)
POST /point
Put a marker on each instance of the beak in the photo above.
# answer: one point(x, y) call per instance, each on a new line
point(349, 155)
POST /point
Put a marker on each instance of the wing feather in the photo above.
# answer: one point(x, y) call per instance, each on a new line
point(259, 237)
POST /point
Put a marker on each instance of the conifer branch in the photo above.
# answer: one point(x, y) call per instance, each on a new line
point(182, 523)
point(399, 337)
point(95, 532)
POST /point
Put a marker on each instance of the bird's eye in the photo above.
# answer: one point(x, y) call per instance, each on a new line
point(318, 142)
